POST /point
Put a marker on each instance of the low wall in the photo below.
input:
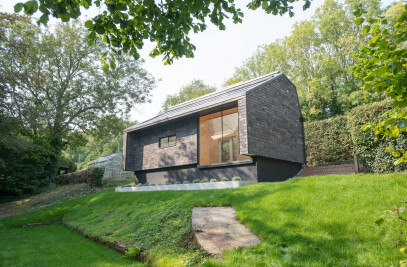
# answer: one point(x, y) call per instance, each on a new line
point(329, 169)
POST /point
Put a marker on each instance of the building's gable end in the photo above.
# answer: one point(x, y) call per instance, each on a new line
point(274, 126)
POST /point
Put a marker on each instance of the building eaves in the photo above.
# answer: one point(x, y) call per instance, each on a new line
point(226, 95)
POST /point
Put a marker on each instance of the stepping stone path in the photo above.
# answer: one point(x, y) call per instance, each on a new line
point(218, 229)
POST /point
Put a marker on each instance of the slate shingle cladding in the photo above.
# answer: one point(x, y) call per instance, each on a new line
point(269, 126)
point(144, 152)
point(274, 126)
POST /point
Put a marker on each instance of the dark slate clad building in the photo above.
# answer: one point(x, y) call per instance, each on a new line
point(252, 129)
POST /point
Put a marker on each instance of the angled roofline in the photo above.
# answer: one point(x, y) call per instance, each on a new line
point(152, 121)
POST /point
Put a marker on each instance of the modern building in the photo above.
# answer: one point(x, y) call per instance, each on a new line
point(252, 129)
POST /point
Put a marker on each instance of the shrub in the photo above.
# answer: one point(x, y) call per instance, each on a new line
point(146, 184)
point(139, 184)
point(332, 141)
point(213, 180)
point(185, 182)
point(84, 176)
point(224, 179)
point(204, 180)
point(97, 175)
point(369, 148)
point(328, 141)
point(236, 178)
point(177, 182)
point(196, 181)
point(152, 184)
point(168, 183)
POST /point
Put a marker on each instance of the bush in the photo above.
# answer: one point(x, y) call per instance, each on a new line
point(213, 180)
point(204, 180)
point(185, 182)
point(369, 148)
point(92, 176)
point(97, 175)
point(236, 178)
point(152, 184)
point(328, 141)
point(146, 184)
point(195, 181)
point(84, 176)
point(177, 182)
point(224, 179)
point(139, 184)
point(332, 141)
point(168, 183)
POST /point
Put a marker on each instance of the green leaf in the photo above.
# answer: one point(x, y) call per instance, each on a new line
point(106, 67)
point(30, 7)
point(88, 24)
point(359, 21)
point(403, 250)
point(366, 29)
point(44, 19)
point(18, 7)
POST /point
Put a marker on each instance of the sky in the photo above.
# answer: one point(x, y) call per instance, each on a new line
point(217, 52)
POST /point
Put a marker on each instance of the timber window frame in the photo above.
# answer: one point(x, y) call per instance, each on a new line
point(167, 141)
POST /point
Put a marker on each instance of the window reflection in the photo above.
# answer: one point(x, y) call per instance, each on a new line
point(219, 138)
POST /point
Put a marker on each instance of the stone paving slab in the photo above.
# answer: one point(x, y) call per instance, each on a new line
point(217, 229)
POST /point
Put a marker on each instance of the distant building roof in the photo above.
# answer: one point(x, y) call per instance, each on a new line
point(105, 158)
point(225, 95)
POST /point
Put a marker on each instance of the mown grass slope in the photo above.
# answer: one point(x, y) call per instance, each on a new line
point(313, 221)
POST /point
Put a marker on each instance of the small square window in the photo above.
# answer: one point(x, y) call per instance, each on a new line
point(164, 142)
point(172, 140)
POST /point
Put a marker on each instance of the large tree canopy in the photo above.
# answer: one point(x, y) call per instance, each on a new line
point(316, 56)
point(125, 24)
point(194, 89)
point(53, 85)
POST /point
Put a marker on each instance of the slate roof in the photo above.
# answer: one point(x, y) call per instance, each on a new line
point(225, 95)
point(105, 158)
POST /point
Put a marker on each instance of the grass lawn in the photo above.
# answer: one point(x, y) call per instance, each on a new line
point(312, 221)
point(55, 245)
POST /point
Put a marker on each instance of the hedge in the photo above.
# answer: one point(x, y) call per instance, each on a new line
point(370, 149)
point(332, 141)
point(328, 142)
point(92, 176)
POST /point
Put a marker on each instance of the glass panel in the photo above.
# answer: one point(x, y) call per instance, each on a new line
point(219, 137)
point(210, 137)
point(163, 142)
point(172, 140)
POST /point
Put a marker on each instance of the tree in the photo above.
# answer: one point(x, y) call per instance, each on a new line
point(192, 90)
point(55, 86)
point(316, 56)
point(383, 67)
point(125, 24)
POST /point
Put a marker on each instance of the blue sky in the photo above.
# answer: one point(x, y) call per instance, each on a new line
point(217, 52)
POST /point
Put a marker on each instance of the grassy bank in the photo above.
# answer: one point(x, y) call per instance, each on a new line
point(313, 221)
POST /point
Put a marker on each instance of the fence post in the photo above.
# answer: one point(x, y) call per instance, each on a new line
point(356, 162)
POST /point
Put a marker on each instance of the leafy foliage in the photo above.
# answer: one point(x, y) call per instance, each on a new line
point(334, 141)
point(371, 148)
point(126, 24)
point(192, 90)
point(383, 67)
point(97, 175)
point(316, 56)
point(328, 141)
point(92, 176)
point(53, 90)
